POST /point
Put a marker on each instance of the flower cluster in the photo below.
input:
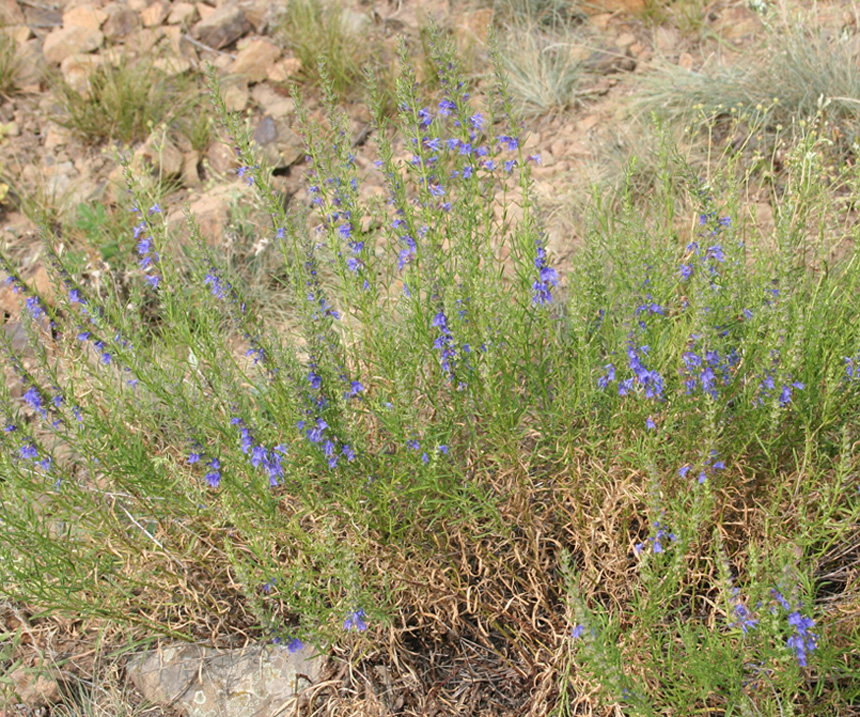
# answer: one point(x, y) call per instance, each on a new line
point(706, 369)
point(710, 251)
point(315, 432)
point(29, 452)
point(773, 380)
point(744, 619)
point(644, 379)
point(802, 642)
point(270, 460)
point(852, 368)
point(444, 344)
point(656, 539)
point(547, 278)
point(149, 257)
point(710, 466)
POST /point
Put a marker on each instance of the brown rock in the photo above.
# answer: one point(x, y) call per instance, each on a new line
point(86, 16)
point(281, 146)
point(10, 13)
point(183, 13)
point(608, 61)
point(625, 40)
point(77, 70)
point(211, 212)
point(172, 66)
point(272, 102)
point(161, 154)
point(220, 157)
point(254, 60)
point(666, 39)
point(155, 14)
point(144, 40)
point(19, 34)
point(121, 21)
point(63, 42)
point(472, 27)
point(41, 282)
point(234, 92)
point(190, 175)
point(223, 27)
point(204, 10)
point(686, 61)
point(35, 689)
point(262, 14)
point(285, 69)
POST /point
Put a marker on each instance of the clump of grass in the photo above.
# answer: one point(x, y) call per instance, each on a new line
point(631, 484)
point(545, 74)
point(797, 73)
point(10, 67)
point(316, 28)
point(124, 101)
point(543, 13)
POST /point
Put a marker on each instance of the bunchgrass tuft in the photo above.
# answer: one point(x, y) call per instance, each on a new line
point(629, 483)
point(798, 73)
point(545, 73)
point(313, 29)
point(10, 67)
point(124, 101)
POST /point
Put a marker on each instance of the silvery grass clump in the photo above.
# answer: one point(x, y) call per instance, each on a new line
point(647, 465)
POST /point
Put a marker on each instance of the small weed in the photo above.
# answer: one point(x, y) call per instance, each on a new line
point(124, 101)
point(544, 74)
point(10, 67)
point(318, 28)
point(797, 74)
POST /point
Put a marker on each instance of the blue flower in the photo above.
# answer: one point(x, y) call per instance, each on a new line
point(294, 645)
point(355, 621)
point(213, 477)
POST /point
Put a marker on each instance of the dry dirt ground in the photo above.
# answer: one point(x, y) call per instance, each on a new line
point(46, 163)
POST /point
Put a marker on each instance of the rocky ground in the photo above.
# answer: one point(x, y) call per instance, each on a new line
point(47, 163)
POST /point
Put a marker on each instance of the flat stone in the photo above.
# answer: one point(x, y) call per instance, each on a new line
point(77, 70)
point(472, 27)
point(204, 682)
point(223, 27)
point(255, 59)
point(63, 42)
point(19, 34)
point(155, 14)
point(234, 92)
point(87, 16)
point(121, 21)
point(161, 155)
point(221, 158)
point(10, 13)
point(625, 40)
point(190, 175)
point(272, 102)
point(172, 66)
point(183, 13)
point(285, 69)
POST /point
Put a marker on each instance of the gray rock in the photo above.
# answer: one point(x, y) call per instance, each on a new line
point(222, 27)
point(204, 682)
